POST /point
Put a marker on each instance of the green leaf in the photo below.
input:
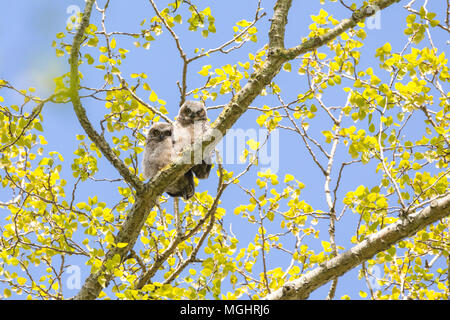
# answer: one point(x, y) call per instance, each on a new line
point(21, 281)
point(103, 58)
point(288, 178)
point(205, 70)
point(253, 144)
point(153, 97)
point(112, 44)
point(287, 67)
point(122, 245)
point(178, 19)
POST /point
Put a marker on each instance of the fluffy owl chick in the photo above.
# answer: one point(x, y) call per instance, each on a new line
point(159, 151)
point(192, 123)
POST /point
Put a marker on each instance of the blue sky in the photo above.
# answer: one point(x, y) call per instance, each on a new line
point(27, 29)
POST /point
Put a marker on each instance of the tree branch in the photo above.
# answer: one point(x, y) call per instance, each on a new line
point(375, 243)
point(277, 28)
point(99, 141)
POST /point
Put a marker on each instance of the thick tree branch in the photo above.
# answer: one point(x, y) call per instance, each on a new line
point(99, 141)
point(375, 243)
point(277, 28)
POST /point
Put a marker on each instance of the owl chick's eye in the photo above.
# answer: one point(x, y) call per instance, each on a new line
point(168, 133)
point(187, 111)
point(156, 133)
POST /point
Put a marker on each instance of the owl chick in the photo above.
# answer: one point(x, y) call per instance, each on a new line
point(159, 151)
point(192, 123)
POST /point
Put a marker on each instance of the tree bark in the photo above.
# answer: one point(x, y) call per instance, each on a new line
point(375, 243)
